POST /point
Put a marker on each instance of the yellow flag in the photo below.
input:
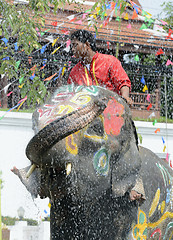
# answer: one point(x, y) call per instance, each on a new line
point(55, 50)
point(20, 86)
point(54, 41)
point(63, 70)
point(145, 88)
point(126, 17)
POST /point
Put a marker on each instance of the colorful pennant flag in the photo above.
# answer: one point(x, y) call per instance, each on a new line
point(143, 80)
point(169, 34)
point(15, 46)
point(126, 17)
point(136, 58)
point(143, 26)
point(5, 40)
point(148, 97)
point(54, 24)
point(149, 107)
point(163, 140)
point(157, 130)
point(145, 88)
point(154, 122)
point(164, 148)
point(49, 78)
point(129, 26)
point(169, 62)
point(79, 22)
point(56, 50)
point(17, 64)
point(43, 49)
point(54, 41)
point(163, 22)
point(135, 15)
point(21, 79)
point(9, 93)
point(159, 52)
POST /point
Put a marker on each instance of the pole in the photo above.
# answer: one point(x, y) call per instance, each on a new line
point(0, 212)
point(166, 114)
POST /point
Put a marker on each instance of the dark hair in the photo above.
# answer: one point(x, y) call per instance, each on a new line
point(84, 36)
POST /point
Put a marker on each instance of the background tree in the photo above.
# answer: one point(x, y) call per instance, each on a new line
point(168, 13)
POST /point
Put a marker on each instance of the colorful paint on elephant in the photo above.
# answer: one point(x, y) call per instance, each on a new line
point(101, 162)
point(75, 97)
point(113, 117)
point(160, 207)
point(140, 229)
point(96, 138)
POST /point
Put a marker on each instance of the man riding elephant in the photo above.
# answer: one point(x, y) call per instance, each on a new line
point(100, 69)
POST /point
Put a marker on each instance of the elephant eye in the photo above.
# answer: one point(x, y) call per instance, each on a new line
point(96, 128)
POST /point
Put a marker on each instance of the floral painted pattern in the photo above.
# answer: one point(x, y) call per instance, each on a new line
point(113, 120)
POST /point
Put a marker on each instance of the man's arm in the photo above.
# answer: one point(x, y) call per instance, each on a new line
point(120, 80)
point(125, 94)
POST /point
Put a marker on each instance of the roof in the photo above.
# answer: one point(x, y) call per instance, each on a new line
point(132, 35)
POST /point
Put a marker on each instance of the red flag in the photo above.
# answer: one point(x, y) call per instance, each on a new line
point(54, 24)
point(149, 106)
point(160, 51)
point(169, 34)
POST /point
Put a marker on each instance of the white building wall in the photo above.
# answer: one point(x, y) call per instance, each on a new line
point(20, 231)
point(155, 140)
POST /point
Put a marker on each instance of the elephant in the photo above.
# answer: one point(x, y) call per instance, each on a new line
point(85, 158)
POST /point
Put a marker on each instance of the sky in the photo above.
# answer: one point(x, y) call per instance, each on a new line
point(153, 6)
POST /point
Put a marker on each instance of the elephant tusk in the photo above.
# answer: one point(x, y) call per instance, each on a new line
point(30, 171)
point(68, 169)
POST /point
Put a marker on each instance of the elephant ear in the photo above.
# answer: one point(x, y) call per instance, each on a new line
point(126, 169)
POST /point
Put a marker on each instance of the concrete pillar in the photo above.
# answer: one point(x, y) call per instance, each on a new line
point(44, 231)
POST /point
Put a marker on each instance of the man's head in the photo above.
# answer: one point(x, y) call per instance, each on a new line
point(82, 43)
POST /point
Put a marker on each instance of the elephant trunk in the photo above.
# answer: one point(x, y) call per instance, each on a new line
point(61, 128)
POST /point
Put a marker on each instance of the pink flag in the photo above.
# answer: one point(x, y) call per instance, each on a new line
point(167, 157)
point(84, 15)
point(163, 22)
point(79, 22)
point(169, 62)
point(9, 94)
point(129, 26)
point(148, 97)
point(68, 43)
point(23, 99)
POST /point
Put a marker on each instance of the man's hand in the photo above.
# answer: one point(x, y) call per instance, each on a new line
point(129, 100)
point(125, 94)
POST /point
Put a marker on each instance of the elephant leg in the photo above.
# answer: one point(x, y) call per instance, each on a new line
point(126, 215)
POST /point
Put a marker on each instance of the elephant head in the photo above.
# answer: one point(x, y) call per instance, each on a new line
point(84, 144)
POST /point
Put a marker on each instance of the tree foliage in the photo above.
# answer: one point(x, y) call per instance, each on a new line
point(10, 221)
point(168, 12)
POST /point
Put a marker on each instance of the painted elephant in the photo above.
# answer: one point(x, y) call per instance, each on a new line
point(86, 159)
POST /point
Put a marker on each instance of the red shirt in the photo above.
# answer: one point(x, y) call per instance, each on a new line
point(108, 72)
